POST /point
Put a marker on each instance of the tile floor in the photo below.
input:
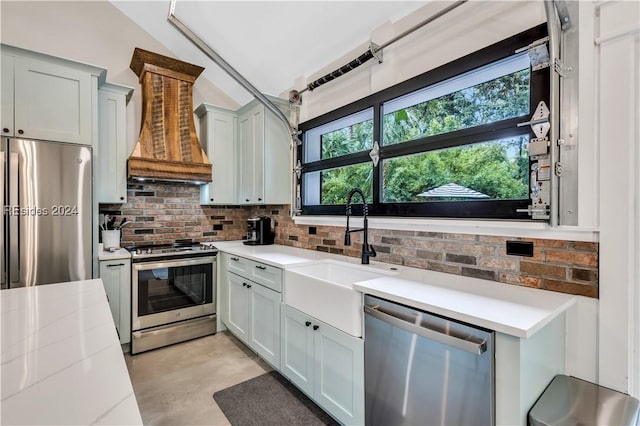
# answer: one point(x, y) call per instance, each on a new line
point(175, 385)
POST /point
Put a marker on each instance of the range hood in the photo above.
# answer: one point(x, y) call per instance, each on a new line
point(168, 148)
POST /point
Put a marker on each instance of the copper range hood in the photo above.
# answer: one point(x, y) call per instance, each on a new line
point(168, 148)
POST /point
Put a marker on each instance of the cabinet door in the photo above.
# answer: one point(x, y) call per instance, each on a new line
point(277, 161)
point(296, 361)
point(7, 95)
point(116, 278)
point(52, 102)
point(111, 170)
point(339, 374)
point(251, 177)
point(218, 137)
point(238, 307)
point(265, 323)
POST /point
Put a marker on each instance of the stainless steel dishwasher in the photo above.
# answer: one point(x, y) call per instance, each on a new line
point(423, 369)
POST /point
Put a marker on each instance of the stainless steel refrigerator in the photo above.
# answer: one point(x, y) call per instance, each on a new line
point(47, 212)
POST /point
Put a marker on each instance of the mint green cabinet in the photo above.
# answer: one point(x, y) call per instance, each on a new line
point(297, 360)
point(49, 98)
point(264, 328)
point(237, 310)
point(264, 155)
point(250, 310)
point(218, 137)
point(116, 278)
point(111, 165)
point(325, 363)
point(6, 94)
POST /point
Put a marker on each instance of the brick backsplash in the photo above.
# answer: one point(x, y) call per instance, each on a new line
point(163, 213)
point(556, 265)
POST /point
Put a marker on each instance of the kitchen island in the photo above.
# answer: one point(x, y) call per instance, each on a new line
point(61, 361)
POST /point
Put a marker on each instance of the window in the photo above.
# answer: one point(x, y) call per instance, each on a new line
point(449, 141)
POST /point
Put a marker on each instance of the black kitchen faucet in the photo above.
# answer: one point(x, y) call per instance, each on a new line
point(367, 249)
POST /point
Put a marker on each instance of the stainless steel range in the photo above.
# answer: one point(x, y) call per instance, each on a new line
point(172, 294)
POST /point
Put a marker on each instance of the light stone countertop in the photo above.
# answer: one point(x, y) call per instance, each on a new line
point(509, 309)
point(115, 255)
point(61, 361)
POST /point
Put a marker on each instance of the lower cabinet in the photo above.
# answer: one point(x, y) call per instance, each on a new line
point(325, 363)
point(116, 278)
point(253, 316)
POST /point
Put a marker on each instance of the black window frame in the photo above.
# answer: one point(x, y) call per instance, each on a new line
point(477, 209)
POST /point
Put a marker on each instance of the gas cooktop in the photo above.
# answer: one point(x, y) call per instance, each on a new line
point(175, 250)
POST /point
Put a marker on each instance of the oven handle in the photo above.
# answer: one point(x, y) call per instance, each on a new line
point(143, 266)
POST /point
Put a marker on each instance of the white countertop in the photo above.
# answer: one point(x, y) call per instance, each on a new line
point(61, 361)
point(509, 309)
point(113, 255)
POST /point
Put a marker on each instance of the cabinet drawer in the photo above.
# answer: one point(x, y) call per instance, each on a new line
point(268, 276)
point(239, 265)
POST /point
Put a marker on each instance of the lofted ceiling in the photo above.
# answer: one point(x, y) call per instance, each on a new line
point(271, 43)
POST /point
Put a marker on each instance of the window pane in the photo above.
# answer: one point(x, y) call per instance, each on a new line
point(347, 135)
point(489, 170)
point(483, 96)
point(332, 186)
point(348, 140)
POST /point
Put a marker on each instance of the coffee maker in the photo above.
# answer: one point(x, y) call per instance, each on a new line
point(259, 231)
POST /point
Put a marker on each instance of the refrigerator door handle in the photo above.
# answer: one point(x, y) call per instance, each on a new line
point(413, 324)
point(13, 221)
point(3, 272)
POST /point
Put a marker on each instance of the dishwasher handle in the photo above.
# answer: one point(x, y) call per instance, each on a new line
point(408, 323)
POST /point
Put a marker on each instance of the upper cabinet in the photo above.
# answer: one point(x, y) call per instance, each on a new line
point(218, 136)
point(111, 167)
point(48, 98)
point(249, 150)
point(265, 156)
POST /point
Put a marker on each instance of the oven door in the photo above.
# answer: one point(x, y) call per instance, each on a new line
point(168, 291)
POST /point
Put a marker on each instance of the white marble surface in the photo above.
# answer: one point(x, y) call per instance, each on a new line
point(114, 255)
point(509, 309)
point(61, 361)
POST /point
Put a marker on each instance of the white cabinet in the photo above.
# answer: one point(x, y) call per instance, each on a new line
point(237, 320)
point(325, 363)
point(116, 277)
point(6, 95)
point(251, 305)
point(218, 136)
point(53, 98)
point(264, 150)
point(112, 153)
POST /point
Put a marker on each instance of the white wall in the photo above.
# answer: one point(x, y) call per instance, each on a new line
point(617, 53)
point(93, 32)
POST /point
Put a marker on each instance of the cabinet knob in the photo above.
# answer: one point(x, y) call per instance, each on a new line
point(20, 132)
point(308, 323)
point(211, 199)
point(6, 130)
point(315, 327)
point(121, 198)
point(244, 284)
point(248, 285)
point(261, 267)
point(235, 259)
point(247, 200)
point(259, 199)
